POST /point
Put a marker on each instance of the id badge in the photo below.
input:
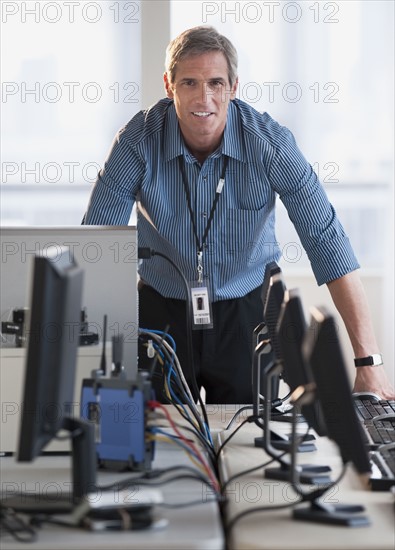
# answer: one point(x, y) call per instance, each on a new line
point(202, 317)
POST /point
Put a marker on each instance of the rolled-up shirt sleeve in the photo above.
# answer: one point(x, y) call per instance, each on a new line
point(315, 220)
point(115, 189)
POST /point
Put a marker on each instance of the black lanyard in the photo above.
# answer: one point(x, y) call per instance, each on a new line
point(218, 191)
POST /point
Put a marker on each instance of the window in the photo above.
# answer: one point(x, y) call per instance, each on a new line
point(71, 74)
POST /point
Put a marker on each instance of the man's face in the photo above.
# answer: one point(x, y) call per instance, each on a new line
point(201, 93)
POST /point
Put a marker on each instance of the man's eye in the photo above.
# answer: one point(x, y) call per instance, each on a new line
point(216, 83)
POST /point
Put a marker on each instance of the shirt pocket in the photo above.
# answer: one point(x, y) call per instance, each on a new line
point(244, 230)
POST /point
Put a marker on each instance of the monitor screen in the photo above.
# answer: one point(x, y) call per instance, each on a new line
point(53, 336)
point(272, 295)
point(322, 351)
point(271, 312)
point(270, 269)
point(291, 331)
point(47, 408)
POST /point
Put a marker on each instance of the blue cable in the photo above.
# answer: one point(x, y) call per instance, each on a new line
point(163, 334)
point(171, 372)
point(176, 439)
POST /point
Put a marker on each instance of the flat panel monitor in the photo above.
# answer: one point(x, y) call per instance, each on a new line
point(108, 257)
point(272, 295)
point(272, 308)
point(52, 335)
point(270, 269)
point(291, 331)
point(47, 407)
point(322, 351)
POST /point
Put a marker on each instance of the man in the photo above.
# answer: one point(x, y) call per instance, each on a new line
point(205, 169)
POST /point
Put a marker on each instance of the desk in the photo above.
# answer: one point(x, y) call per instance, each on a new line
point(189, 527)
point(199, 527)
point(276, 530)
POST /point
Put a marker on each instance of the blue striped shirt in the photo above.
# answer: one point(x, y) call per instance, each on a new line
point(264, 162)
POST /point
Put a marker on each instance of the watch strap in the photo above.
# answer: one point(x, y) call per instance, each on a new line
point(370, 361)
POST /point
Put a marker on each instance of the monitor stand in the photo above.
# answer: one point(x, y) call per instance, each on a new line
point(309, 473)
point(314, 509)
point(84, 464)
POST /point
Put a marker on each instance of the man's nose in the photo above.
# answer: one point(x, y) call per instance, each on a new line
point(205, 93)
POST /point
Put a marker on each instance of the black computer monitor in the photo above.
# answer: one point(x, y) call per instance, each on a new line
point(261, 333)
point(291, 331)
point(53, 336)
point(270, 269)
point(272, 307)
point(322, 351)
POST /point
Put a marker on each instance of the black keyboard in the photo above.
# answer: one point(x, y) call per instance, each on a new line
point(378, 419)
point(383, 468)
point(381, 432)
point(368, 408)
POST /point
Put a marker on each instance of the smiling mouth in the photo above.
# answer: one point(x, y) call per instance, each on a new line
point(202, 114)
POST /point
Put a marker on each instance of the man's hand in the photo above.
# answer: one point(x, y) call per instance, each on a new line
point(374, 379)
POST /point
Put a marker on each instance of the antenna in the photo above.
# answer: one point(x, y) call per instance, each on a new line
point(101, 371)
point(103, 365)
point(117, 355)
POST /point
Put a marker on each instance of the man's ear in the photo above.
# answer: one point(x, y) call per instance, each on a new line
point(168, 88)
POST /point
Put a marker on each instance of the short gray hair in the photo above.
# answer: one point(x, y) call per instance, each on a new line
point(197, 41)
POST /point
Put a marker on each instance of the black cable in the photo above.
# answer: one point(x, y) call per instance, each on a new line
point(210, 450)
point(169, 359)
point(128, 483)
point(309, 497)
point(15, 526)
point(190, 503)
point(146, 253)
point(249, 471)
point(233, 419)
point(155, 361)
point(219, 450)
point(229, 526)
point(175, 380)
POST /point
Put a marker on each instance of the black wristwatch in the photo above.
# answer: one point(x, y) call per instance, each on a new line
point(370, 361)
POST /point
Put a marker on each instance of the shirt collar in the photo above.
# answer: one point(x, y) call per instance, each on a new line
point(232, 143)
point(173, 144)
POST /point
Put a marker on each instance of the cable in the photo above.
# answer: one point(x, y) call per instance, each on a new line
point(201, 438)
point(186, 398)
point(15, 526)
point(174, 368)
point(152, 477)
point(233, 419)
point(145, 253)
point(213, 478)
point(219, 450)
point(173, 360)
point(229, 526)
point(177, 441)
point(246, 472)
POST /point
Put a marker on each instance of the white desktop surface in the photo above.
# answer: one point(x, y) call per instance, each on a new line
point(189, 527)
point(276, 529)
point(199, 527)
